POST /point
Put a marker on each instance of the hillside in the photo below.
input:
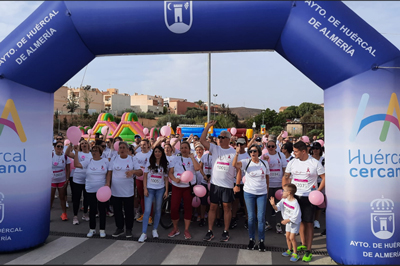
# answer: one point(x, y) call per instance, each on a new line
point(244, 112)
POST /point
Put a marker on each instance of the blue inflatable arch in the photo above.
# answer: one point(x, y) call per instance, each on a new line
point(326, 41)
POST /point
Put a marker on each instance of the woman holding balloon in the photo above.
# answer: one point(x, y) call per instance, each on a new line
point(122, 169)
point(182, 173)
point(155, 183)
point(97, 176)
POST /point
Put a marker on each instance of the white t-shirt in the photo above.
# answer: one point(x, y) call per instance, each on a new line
point(139, 149)
point(96, 172)
point(106, 153)
point(199, 176)
point(206, 159)
point(275, 164)
point(58, 165)
point(79, 176)
point(223, 172)
point(291, 210)
point(155, 179)
point(142, 159)
point(319, 179)
point(256, 182)
point(122, 186)
point(178, 170)
point(243, 156)
point(112, 155)
point(305, 174)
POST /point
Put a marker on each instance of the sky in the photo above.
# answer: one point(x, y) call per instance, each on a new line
point(233, 75)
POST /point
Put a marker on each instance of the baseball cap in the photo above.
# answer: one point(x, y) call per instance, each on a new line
point(137, 136)
point(241, 141)
point(258, 139)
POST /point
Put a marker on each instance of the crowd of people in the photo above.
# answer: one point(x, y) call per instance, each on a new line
point(238, 174)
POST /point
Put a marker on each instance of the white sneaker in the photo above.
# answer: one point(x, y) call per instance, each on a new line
point(316, 224)
point(155, 234)
point(137, 215)
point(142, 238)
point(91, 232)
point(85, 217)
point(102, 233)
point(66, 204)
point(75, 220)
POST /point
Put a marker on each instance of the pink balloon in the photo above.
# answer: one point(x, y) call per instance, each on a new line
point(208, 200)
point(116, 145)
point(145, 131)
point(66, 142)
point(244, 179)
point(74, 134)
point(233, 131)
point(90, 132)
point(264, 139)
point(163, 144)
point(103, 194)
point(284, 134)
point(316, 197)
point(321, 142)
point(186, 177)
point(305, 139)
point(165, 131)
point(199, 190)
point(196, 202)
point(177, 145)
point(104, 130)
point(71, 165)
point(278, 194)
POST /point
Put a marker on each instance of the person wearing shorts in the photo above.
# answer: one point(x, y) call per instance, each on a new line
point(291, 215)
point(303, 172)
point(222, 180)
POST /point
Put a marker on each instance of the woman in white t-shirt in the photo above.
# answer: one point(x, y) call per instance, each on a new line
point(122, 168)
point(316, 152)
point(181, 190)
point(255, 192)
point(59, 180)
point(277, 164)
point(78, 180)
point(97, 176)
point(155, 183)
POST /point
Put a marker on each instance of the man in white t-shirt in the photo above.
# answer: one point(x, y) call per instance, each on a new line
point(305, 171)
point(222, 179)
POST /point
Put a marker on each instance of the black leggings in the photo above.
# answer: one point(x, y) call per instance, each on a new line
point(77, 190)
point(127, 203)
point(94, 204)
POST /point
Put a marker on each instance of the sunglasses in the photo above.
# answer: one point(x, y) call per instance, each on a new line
point(58, 146)
point(270, 146)
point(251, 151)
point(59, 139)
point(222, 137)
point(104, 146)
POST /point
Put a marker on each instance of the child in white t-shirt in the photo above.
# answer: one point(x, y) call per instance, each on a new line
point(291, 214)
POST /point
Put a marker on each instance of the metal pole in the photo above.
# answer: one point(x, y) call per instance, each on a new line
point(58, 116)
point(209, 89)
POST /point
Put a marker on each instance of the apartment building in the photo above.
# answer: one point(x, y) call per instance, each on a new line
point(93, 94)
point(116, 103)
point(147, 103)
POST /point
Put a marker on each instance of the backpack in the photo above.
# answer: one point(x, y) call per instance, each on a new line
point(247, 166)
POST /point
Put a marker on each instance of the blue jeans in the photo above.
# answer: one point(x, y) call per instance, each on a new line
point(253, 201)
point(157, 195)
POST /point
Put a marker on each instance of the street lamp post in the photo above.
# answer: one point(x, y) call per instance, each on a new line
point(215, 96)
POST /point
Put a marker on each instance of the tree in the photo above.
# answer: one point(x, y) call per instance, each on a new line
point(88, 100)
point(199, 103)
point(193, 112)
point(72, 102)
point(275, 130)
point(291, 112)
point(175, 120)
point(270, 117)
point(308, 108)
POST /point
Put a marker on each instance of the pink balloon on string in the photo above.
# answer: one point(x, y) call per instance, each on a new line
point(104, 130)
point(145, 131)
point(199, 190)
point(278, 194)
point(103, 194)
point(116, 145)
point(316, 197)
point(74, 134)
point(187, 176)
point(90, 132)
point(233, 131)
point(196, 202)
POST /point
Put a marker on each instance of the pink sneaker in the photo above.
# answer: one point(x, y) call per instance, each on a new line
point(174, 233)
